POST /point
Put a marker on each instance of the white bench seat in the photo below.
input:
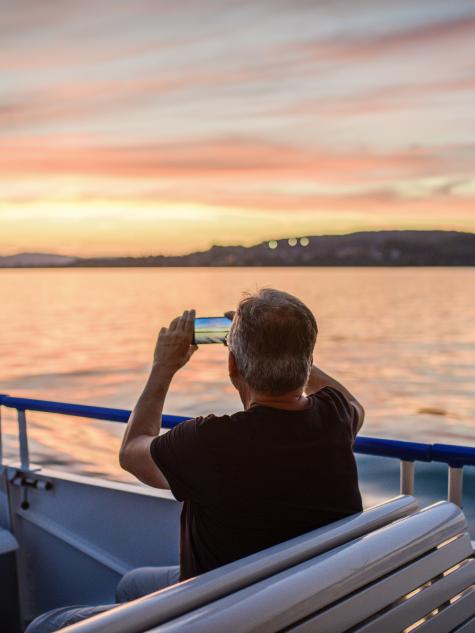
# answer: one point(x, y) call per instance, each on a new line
point(384, 581)
point(377, 596)
point(458, 612)
point(173, 602)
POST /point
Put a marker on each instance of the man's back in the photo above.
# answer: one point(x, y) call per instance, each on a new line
point(259, 477)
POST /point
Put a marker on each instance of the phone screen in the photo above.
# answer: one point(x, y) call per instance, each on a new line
point(211, 330)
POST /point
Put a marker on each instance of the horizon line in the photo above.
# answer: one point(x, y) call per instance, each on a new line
point(268, 241)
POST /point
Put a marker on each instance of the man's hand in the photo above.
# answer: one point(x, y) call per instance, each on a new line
point(174, 346)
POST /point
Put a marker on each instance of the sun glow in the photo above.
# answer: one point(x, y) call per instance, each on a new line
point(132, 140)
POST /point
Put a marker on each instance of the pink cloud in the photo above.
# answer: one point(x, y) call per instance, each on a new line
point(371, 46)
point(382, 99)
point(233, 158)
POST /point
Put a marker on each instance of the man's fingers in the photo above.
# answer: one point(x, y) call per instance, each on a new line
point(162, 333)
point(187, 321)
point(180, 321)
point(190, 321)
point(174, 324)
point(183, 323)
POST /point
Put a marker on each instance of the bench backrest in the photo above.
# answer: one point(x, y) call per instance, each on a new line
point(162, 606)
point(384, 581)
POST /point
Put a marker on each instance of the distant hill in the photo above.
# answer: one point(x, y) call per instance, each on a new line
point(33, 260)
point(369, 248)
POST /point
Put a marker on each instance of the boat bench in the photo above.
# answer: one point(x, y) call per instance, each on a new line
point(416, 574)
point(171, 603)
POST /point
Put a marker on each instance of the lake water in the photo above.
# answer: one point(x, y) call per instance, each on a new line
point(401, 339)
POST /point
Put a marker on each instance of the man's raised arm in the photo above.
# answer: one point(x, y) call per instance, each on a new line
point(318, 379)
point(173, 350)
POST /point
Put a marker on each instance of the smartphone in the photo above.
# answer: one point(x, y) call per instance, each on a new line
point(211, 330)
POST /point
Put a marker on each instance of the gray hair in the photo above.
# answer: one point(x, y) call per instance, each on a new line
point(272, 338)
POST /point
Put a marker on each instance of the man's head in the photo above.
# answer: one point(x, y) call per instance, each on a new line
point(271, 340)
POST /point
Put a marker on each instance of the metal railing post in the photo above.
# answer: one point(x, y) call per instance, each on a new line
point(23, 440)
point(406, 477)
point(455, 484)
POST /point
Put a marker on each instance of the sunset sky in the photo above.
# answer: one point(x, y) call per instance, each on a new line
point(149, 126)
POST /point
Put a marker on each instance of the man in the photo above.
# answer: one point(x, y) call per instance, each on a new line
point(281, 467)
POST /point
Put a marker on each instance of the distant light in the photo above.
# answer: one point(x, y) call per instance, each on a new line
point(304, 241)
point(293, 241)
point(273, 244)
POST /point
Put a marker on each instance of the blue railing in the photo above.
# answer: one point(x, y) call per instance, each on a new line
point(79, 410)
point(450, 454)
point(456, 457)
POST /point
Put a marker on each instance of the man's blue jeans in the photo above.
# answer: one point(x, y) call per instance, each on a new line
point(135, 584)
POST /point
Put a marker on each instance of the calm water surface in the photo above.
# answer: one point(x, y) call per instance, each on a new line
point(401, 339)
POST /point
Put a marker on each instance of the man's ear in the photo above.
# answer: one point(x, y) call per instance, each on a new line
point(233, 370)
point(232, 365)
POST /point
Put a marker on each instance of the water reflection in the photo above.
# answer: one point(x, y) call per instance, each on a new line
point(405, 347)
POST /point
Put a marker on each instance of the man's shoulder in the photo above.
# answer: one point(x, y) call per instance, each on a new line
point(214, 424)
point(211, 423)
point(331, 395)
point(336, 407)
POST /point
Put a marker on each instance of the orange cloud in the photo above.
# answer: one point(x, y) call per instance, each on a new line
point(224, 158)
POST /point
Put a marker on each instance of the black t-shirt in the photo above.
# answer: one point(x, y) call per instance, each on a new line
point(259, 477)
